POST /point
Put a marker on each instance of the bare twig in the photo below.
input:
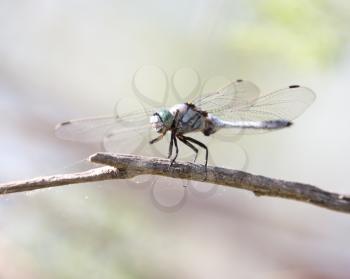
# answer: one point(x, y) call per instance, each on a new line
point(260, 185)
point(123, 166)
point(98, 174)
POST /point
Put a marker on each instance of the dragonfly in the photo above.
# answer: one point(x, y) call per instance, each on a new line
point(237, 108)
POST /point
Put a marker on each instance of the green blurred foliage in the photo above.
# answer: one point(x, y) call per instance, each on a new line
point(303, 34)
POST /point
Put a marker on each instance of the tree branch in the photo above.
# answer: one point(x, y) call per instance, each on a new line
point(98, 174)
point(123, 166)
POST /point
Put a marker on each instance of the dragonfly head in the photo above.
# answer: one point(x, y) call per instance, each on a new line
point(162, 120)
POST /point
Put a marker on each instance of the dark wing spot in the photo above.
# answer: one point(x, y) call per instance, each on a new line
point(294, 86)
point(65, 123)
point(239, 80)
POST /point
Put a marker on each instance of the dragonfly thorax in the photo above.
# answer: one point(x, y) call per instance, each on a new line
point(162, 120)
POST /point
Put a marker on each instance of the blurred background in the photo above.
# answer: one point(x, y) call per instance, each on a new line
point(61, 60)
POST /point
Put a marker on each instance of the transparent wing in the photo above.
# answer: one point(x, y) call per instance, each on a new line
point(94, 129)
point(283, 104)
point(287, 104)
point(129, 133)
point(237, 93)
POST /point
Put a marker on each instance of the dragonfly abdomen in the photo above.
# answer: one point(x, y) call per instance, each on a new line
point(264, 125)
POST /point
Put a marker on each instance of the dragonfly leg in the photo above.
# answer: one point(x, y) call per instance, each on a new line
point(173, 137)
point(190, 145)
point(157, 139)
point(201, 145)
point(176, 150)
point(171, 144)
